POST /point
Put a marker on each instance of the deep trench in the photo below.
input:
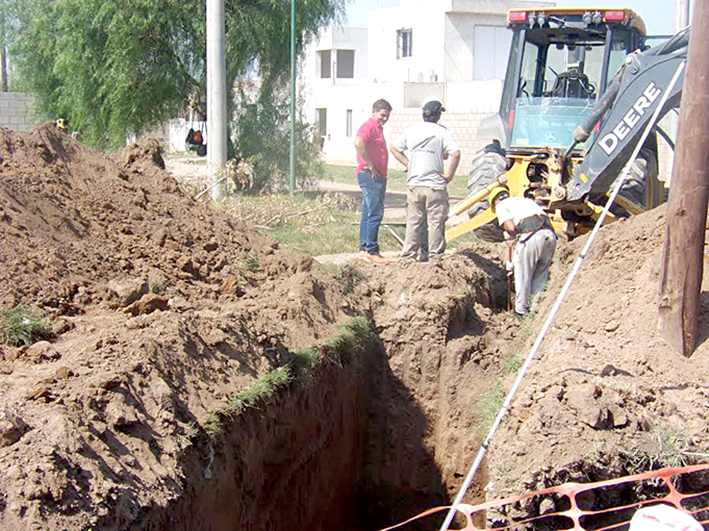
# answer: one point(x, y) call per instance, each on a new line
point(348, 448)
point(317, 457)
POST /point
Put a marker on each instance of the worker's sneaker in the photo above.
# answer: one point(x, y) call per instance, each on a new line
point(375, 259)
point(363, 255)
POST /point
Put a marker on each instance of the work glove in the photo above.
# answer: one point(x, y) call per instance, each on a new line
point(509, 267)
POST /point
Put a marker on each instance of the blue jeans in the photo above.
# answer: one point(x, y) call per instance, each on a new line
point(373, 191)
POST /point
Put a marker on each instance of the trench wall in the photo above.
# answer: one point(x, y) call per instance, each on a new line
point(359, 445)
point(290, 464)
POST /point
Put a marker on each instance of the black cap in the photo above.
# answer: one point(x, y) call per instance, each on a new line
point(433, 108)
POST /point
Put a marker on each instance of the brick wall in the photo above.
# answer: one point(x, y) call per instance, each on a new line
point(15, 111)
point(461, 122)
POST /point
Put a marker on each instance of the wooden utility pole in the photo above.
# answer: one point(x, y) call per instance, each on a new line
point(687, 208)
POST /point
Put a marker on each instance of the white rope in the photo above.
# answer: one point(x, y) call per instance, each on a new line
point(505, 406)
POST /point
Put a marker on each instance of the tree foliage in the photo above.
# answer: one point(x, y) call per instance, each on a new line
point(262, 130)
point(118, 67)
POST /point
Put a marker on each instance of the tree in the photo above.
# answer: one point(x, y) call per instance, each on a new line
point(119, 67)
point(8, 30)
point(262, 128)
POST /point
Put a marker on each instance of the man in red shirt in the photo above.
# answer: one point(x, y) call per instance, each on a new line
point(372, 162)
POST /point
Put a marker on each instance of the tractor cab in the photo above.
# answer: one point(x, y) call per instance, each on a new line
point(561, 61)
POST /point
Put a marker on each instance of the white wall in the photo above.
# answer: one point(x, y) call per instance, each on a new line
point(426, 22)
point(337, 95)
point(359, 98)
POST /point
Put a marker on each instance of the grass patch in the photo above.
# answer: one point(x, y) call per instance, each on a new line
point(250, 263)
point(304, 361)
point(491, 402)
point(512, 365)
point(347, 275)
point(466, 240)
point(347, 346)
point(396, 180)
point(315, 224)
point(669, 447)
point(525, 328)
point(351, 342)
point(261, 392)
point(23, 325)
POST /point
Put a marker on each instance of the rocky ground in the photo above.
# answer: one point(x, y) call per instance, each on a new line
point(161, 309)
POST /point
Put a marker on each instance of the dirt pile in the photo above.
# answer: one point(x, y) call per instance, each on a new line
point(162, 309)
point(73, 218)
point(607, 396)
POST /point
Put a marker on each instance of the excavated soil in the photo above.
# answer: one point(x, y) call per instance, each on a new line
point(607, 396)
point(163, 309)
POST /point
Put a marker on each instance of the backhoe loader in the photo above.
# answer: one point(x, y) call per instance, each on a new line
point(581, 86)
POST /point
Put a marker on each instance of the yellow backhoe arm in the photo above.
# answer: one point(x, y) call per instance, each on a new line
point(462, 228)
point(478, 221)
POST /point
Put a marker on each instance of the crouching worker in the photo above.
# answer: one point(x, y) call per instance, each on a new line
point(525, 222)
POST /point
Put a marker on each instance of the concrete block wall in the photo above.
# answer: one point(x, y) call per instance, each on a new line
point(462, 122)
point(15, 111)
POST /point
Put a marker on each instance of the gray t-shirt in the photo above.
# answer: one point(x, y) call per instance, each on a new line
point(425, 143)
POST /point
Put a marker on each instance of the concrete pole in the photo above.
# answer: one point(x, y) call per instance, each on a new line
point(216, 96)
point(681, 14)
point(683, 264)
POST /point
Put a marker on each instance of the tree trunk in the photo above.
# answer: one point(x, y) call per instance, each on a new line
point(687, 208)
point(3, 58)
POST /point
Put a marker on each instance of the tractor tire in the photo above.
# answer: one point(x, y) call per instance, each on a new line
point(488, 164)
point(642, 186)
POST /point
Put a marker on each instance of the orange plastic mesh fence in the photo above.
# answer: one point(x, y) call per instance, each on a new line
point(605, 505)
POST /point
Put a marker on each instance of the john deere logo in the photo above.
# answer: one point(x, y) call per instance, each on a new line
point(610, 142)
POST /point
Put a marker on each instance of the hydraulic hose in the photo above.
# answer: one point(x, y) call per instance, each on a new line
point(583, 131)
point(677, 42)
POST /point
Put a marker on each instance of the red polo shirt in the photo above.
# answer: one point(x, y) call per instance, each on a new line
point(373, 135)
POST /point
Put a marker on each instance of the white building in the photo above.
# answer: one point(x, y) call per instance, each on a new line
point(454, 49)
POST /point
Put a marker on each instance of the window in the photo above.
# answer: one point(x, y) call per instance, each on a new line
point(348, 130)
point(345, 63)
point(620, 47)
point(321, 121)
point(491, 47)
point(325, 66)
point(404, 43)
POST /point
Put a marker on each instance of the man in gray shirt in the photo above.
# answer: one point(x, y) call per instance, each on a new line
point(426, 145)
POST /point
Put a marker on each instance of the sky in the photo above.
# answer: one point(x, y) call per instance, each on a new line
point(657, 14)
